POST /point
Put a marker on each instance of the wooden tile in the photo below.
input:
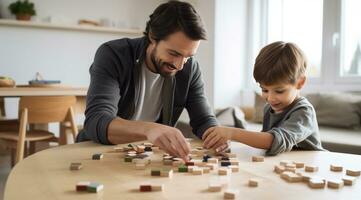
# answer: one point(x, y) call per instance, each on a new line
point(75, 166)
point(253, 183)
point(311, 168)
point(349, 180)
point(157, 187)
point(257, 159)
point(214, 186)
point(336, 168)
point(97, 156)
point(82, 186)
point(231, 194)
point(317, 183)
point(353, 172)
point(335, 183)
point(95, 187)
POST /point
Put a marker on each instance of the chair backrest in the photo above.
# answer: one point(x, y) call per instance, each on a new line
point(47, 109)
point(2, 107)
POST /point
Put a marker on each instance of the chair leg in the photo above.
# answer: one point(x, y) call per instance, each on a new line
point(22, 132)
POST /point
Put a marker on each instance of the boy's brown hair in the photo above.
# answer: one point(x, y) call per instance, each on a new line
point(279, 62)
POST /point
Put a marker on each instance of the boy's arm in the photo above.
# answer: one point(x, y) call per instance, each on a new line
point(219, 135)
point(297, 128)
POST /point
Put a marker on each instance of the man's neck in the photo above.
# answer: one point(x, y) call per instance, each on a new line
point(148, 61)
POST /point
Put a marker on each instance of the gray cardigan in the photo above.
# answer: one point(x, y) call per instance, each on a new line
point(114, 90)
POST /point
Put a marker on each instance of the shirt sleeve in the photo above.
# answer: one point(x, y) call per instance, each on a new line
point(294, 130)
point(200, 113)
point(103, 95)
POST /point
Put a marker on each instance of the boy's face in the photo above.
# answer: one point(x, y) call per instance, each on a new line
point(280, 96)
point(168, 56)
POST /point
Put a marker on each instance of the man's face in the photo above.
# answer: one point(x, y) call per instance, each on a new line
point(280, 96)
point(168, 56)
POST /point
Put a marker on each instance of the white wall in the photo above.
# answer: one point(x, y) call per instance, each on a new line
point(230, 51)
point(61, 54)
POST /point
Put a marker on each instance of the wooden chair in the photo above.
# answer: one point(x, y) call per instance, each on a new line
point(39, 110)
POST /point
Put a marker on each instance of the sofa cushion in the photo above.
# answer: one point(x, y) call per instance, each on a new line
point(337, 109)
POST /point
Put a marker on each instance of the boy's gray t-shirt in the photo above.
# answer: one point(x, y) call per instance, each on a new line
point(294, 128)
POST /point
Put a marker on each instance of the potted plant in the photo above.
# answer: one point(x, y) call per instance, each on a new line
point(22, 9)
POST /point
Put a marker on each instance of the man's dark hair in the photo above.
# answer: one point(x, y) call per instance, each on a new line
point(175, 16)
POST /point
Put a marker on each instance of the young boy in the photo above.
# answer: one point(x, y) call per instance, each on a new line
point(289, 119)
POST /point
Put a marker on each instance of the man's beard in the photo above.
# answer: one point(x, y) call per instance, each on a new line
point(159, 65)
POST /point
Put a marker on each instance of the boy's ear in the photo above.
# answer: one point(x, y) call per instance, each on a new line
point(301, 82)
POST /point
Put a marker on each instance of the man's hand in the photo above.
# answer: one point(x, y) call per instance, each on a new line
point(170, 140)
point(217, 137)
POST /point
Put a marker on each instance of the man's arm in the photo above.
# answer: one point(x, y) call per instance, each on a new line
point(200, 113)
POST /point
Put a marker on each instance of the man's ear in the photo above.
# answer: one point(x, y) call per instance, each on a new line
point(151, 39)
point(301, 82)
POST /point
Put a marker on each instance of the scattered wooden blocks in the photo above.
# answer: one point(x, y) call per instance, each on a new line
point(167, 173)
point(155, 172)
point(82, 186)
point(213, 160)
point(128, 159)
point(206, 170)
point(197, 171)
point(182, 168)
point(336, 168)
point(311, 168)
point(139, 166)
point(257, 159)
point(349, 180)
point(157, 187)
point(167, 162)
point(231, 194)
point(75, 166)
point(214, 186)
point(211, 166)
point(291, 177)
point(335, 184)
point(234, 168)
point(299, 164)
point(305, 177)
point(234, 162)
point(284, 162)
point(145, 187)
point(95, 187)
point(189, 163)
point(317, 183)
point(225, 163)
point(97, 156)
point(190, 168)
point(224, 171)
point(353, 172)
point(252, 183)
point(279, 169)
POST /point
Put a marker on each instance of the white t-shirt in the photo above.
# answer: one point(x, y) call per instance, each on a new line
point(150, 102)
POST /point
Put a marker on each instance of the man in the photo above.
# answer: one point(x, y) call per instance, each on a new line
point(139, 87)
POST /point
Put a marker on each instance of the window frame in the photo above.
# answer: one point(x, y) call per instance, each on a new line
point(330, 77)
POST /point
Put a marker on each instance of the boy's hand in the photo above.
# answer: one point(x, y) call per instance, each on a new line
point(216, 138)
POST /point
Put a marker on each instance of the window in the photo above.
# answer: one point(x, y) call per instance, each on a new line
point(351, 39)
point(328, 31)
point(300, 22)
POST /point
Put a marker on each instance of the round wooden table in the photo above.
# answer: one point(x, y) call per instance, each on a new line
point(46, 175)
